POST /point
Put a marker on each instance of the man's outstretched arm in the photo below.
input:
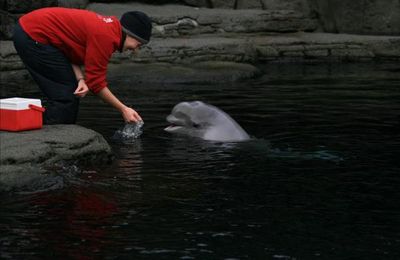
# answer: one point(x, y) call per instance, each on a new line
point(129, 114)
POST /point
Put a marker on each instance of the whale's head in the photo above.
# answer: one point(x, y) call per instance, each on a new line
point(204, 121)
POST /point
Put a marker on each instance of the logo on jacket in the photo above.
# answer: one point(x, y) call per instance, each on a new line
point(105, 19)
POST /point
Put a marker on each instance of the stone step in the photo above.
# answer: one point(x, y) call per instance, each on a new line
point(250, 48)
point(253, 48)
point(216, 58)
point(209, 72)
point(179, 20)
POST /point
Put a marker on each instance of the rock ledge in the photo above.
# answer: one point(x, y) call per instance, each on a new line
point(24, 156)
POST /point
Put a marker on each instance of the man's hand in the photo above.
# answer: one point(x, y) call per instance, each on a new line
point(82, 89)
point(130, 115)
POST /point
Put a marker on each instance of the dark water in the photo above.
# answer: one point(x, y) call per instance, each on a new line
point(320, 179)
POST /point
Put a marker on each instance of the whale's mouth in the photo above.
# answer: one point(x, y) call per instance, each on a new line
point(174, 124)
point(181, 122)
point(173, 127)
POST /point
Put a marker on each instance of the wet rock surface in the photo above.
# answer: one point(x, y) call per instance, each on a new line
point(194, 41)
point(26, 156)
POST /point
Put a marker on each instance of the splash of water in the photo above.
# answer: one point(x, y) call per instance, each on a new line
point(129, 132)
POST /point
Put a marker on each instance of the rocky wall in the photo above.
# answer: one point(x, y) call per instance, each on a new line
point(373, 17)
point(11, 10)
point(249, 31)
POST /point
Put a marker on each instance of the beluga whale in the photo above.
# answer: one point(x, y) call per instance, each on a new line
point(205, 121)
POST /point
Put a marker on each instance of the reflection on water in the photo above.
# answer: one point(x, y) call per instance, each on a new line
point(319, 179)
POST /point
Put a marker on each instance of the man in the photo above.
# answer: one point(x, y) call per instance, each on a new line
point(55, 42)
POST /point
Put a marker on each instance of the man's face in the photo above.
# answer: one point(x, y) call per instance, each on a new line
point(131, 44)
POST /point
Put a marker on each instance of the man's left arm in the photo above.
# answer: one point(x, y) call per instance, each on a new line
point(98, 54)
point(129, 114)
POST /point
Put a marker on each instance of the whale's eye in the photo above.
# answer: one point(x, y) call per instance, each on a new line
point(196, 125)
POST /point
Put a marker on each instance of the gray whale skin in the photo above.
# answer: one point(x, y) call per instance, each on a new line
point(205, 121)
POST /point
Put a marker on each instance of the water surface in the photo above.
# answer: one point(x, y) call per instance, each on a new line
point(319, 180)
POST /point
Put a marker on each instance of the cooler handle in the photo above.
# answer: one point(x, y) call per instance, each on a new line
point(37, 108)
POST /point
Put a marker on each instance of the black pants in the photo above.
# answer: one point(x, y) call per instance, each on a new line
point(53, 72)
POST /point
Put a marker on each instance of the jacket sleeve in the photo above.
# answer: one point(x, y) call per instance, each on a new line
point(99, 49)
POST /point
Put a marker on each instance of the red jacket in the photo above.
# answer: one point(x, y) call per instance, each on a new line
point(86, 38)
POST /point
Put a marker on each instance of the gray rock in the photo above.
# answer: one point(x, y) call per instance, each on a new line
point(29, 158)
point(267, 52)
point(11, 10)
point(223, 4)
point(52, 144)
point(254, 48)
point(386, 49)
point(177, 20)
point(359, 16)
point(7, 49)
point(9, 59)
point(237, 48)
point(297, 5)
point(7, 22)
point(199, 73)
point(81, 4)
point(12, 63)
point(316, 53)
point(198, 49)
point(186, 35)
point(18, 6)
point(151, 2)
point(199, 3)
point(249, 4)
point(16, 82)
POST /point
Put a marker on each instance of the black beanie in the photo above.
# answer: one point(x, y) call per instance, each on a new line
point(137, 25)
